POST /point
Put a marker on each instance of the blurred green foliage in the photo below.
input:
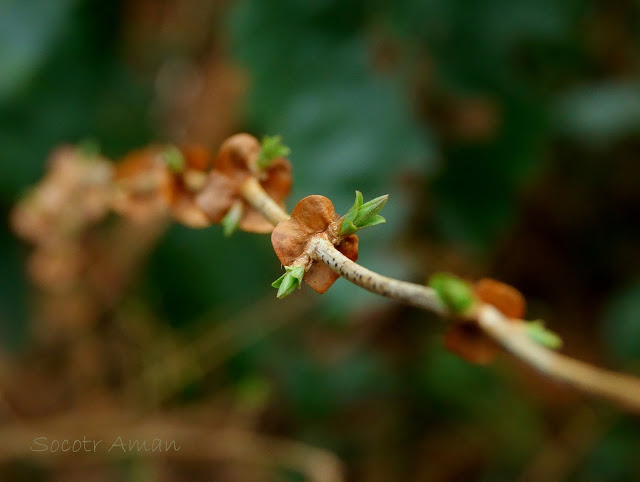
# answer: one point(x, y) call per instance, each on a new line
point(368, 95)
point(620, 324)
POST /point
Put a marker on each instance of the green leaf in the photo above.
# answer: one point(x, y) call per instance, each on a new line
point(455, 293)
point(272, 148)
point(347, 228)
point(231, 220)
point(377, 219)
point(174, 159)
point(538, 333)
point(353, 210)
point(290, 281)
point(369, 210)
point(362, 215)
point(277, 283)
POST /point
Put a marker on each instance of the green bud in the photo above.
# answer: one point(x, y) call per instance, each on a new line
point(455, 293)
point(369, 210)
point(289, 281)
point(173, 158)
point(353, 210)
point(347, 228)
point(272, 148)
point(362, 215)
point(538, 333)
point(231, 220)
point(377, 219)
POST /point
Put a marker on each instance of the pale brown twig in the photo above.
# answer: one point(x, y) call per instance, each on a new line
point(623, 389)
point(260, 200)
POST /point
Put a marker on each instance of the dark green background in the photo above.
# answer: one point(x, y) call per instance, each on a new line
point(363, 93)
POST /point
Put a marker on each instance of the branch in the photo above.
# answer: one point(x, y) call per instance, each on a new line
point(322, 239)
point(256, 196)
point(416, 295)
point(623, 389)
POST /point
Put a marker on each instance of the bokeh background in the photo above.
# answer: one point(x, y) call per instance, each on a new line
point(507, 133)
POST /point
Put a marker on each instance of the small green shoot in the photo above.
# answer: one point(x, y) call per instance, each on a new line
point(289, 281)
point(231, 220)
point(362, 215)
point(174, 159)
point(272, 149)
point(454, 292)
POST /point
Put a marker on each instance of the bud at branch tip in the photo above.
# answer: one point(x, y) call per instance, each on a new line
point(173, 158)
point(272, 148)
point(289, 281)
point(362, 215)
point(455, 293)
point(232, 219)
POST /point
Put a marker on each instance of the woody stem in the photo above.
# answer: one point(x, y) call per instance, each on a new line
point(623, 389)
point(423, 297)
point(255, 195)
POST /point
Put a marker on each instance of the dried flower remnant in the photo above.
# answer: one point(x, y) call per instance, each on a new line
point(157, 180)
point(467, 340)
point(313, 216)
point(143, 185)
point(504, 297)
point(75, 192)
point(74, 195)
point(189, 166)
point(236, 162)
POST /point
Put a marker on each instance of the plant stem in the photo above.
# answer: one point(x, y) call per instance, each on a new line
point(255, 195)
point(623, 389)
point(423, 297)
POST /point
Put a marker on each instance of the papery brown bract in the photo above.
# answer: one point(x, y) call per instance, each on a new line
point(235, 163)
point(197, 157)
point(184, 208)
point(145, 187)
point(149, 189)
point(238, 156)
point(75, 192)
point(467, 340)
point(217, 196)
point(508, 300)
point(313, 215)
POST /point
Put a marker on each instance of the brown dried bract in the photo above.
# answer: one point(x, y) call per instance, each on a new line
point(508, 300)
point(313, 215)
point(75, 192)
point(235, 163)
point(144, 185)
point(74, 195)
point(185, 186)
point(147, 188)
point(467, 340)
